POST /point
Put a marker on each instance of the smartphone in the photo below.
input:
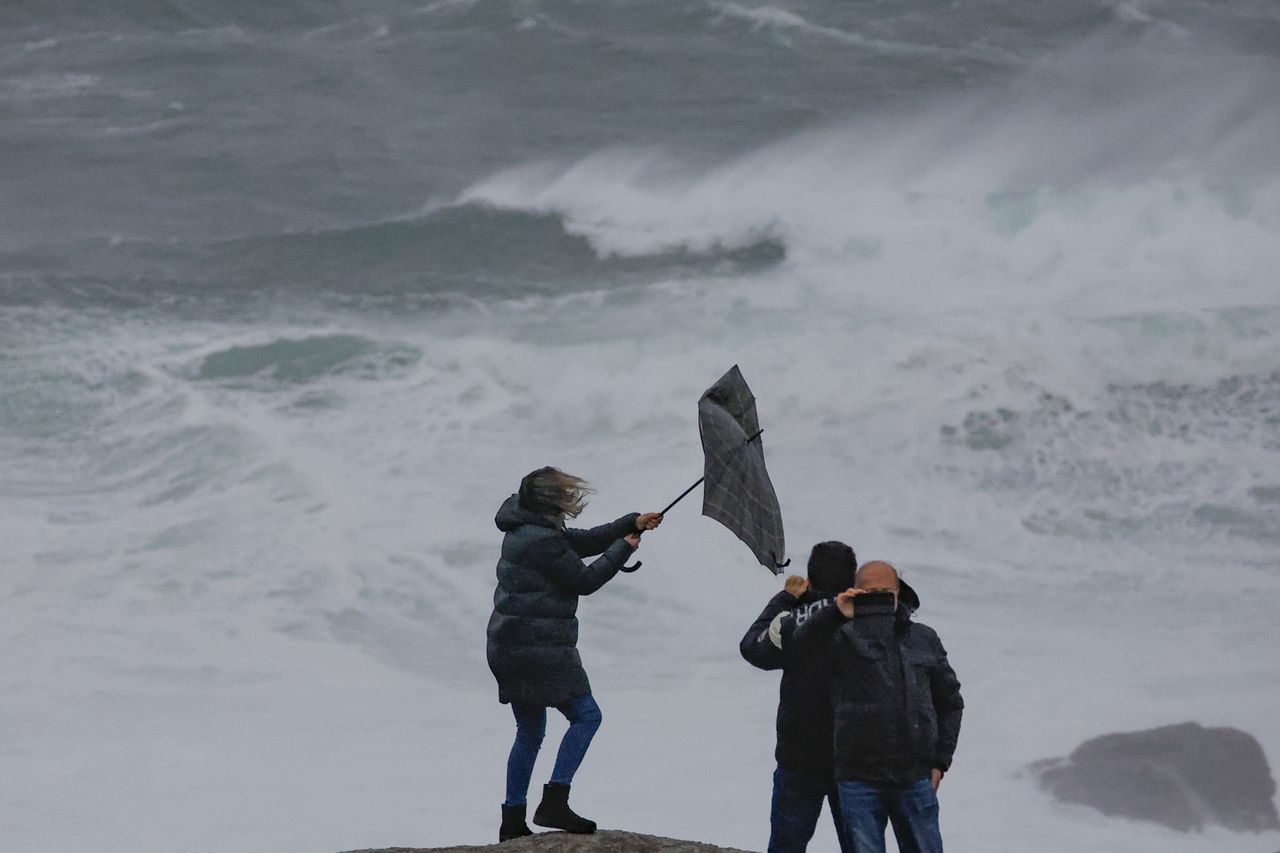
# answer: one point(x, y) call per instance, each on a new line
point(874, 604)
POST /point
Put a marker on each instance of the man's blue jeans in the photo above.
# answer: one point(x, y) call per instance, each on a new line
point(584, 719)
point(912, 810)
point(797, 804)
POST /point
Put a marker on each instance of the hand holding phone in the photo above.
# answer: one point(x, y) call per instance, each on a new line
point(868, 603)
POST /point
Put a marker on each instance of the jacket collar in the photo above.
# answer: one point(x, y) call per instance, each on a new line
point(512, 516)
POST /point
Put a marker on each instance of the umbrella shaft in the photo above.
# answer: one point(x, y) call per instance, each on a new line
point(683, 495)
point(686, 492)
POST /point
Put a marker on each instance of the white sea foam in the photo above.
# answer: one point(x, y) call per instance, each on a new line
point(284, 582)
point(962, 213)
point(786, 22)
point(39, 86)
point(891, 227)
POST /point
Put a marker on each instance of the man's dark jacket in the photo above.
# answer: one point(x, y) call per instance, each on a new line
point(896, 699)
point(533, 632)
point(804, 697)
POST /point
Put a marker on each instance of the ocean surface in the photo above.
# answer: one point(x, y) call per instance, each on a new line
point(292, 294)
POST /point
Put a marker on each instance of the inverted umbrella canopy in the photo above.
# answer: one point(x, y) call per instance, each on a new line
point(737, 491)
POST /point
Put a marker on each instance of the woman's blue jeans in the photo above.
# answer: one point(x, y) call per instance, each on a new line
point(584, 719)
point(912, 810)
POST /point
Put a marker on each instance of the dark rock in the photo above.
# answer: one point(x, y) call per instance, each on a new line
point(1183, 776)
point(561, 842)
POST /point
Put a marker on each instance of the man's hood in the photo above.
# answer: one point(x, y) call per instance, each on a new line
point(907, 596)
point(511, 516)
point(902, 616)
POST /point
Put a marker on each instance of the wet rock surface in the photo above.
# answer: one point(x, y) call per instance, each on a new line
point(1183, 776)
point(560, 842)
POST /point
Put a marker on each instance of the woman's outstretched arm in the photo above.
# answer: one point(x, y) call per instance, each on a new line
point(565, 569)
point(588, 543)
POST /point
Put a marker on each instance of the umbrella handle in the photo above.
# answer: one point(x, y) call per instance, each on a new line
point(637, 564)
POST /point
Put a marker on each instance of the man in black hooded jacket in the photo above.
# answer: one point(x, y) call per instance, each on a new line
point(897, 709)
point(805, 772)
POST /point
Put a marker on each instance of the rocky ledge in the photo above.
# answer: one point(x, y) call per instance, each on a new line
point(560, 842)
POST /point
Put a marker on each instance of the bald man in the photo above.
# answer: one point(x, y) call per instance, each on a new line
point(897, 711)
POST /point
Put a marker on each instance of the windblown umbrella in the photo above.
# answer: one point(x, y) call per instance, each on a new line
point(737, 490)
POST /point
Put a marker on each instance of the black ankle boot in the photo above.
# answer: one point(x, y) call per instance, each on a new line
point(554, 812)
point(513, 825)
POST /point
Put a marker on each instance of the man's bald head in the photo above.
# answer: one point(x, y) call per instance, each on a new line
point(876, 575)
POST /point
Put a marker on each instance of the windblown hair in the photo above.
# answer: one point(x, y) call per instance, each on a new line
point(552, 492)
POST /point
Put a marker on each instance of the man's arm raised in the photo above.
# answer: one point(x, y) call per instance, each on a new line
point(761, 645)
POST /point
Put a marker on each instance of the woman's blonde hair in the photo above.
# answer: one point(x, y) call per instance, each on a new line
point(550, 491)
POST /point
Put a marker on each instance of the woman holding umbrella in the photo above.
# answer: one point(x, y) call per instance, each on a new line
point(533, 633)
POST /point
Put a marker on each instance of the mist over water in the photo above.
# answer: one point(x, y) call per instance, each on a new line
point(292, 294)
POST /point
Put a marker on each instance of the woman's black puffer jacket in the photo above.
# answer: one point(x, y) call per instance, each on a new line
point(533, 632)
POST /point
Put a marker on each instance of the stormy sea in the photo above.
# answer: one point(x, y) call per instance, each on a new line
point(293, 293)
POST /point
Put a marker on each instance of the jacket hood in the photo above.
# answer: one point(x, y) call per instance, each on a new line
point(512, 516)
point(908, 596)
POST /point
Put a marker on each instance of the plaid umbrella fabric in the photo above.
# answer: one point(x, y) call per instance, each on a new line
point(737, 491)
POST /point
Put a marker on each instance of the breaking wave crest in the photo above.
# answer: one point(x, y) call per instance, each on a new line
point(1031, 191)
point(470, 248)
point(460, 253)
